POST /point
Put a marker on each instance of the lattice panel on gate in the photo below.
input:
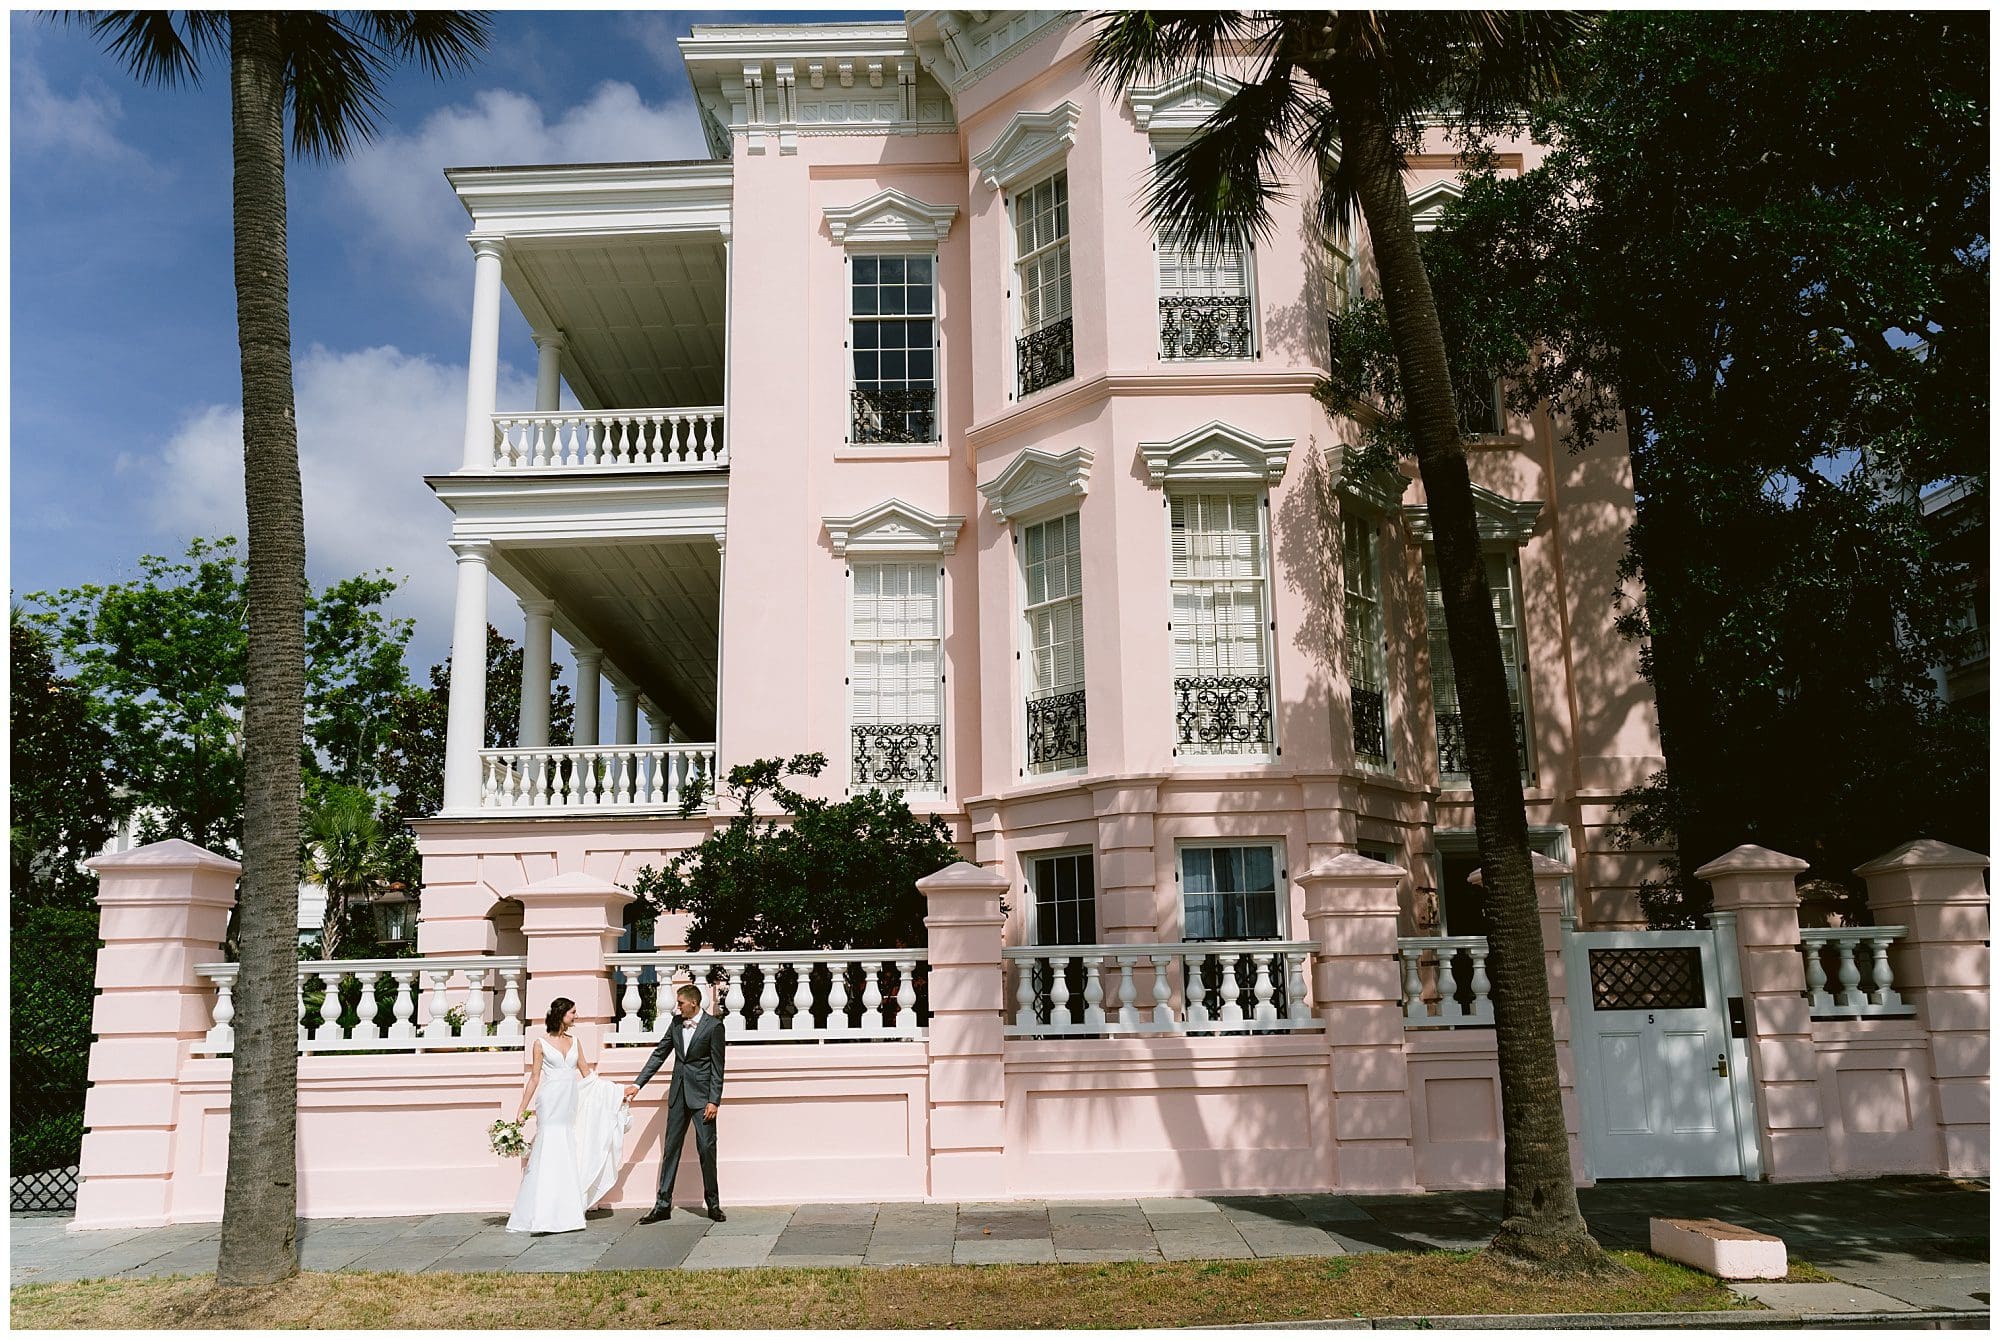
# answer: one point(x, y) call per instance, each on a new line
point(1646, 979)
point(51, 1189)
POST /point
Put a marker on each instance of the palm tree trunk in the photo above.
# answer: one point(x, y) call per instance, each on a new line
point(1540, 1219)
point(260, 1197)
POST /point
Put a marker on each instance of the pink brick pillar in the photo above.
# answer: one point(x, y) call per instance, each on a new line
point(1351, 919)
point(571, 922)
point(968, 1082)
point(1759, 887)
point(1549, 876)
point(165, 908)
point(1940, 966)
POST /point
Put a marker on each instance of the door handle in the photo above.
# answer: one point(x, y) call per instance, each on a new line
point(1722, 1064)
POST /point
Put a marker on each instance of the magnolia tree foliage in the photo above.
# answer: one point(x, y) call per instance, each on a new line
point(831, 875)
point(61, 806)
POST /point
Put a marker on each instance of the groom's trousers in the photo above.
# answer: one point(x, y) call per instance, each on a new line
point(679, 1117)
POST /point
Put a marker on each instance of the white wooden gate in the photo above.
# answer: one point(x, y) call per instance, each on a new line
point(1654, 1064)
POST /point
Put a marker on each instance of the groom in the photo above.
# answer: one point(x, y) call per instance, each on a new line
point(696, 1041)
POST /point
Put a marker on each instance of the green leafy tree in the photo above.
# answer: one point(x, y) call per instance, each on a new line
point(1346, 91)
point(346, 854)
point(61, 808)
point(832, 875)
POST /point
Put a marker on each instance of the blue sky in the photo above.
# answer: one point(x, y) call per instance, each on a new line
point(126, 432)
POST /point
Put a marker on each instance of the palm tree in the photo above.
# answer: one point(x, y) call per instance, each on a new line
point(327, 69)
point(1341, 87)
point(343, 854)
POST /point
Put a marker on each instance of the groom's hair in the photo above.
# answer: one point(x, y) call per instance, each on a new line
point(689, 991)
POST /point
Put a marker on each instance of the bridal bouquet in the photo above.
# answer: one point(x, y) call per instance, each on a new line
point(508, 1142)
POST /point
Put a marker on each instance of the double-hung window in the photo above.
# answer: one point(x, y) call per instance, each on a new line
point(1052, 569)
point(1204, 300)
point(1367, 642)
point(1045, 348)
point(1065, 892)
point(1222, 681)
point(895, 679)
point(1503, 585)
point(893, 331)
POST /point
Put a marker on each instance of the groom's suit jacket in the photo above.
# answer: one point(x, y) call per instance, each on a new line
point(698, 1067)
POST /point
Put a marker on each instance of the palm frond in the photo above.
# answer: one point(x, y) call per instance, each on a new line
point(148, 43)
point(1219, 186)
point(1137, 46)
point(333, 81)
point(442, 41)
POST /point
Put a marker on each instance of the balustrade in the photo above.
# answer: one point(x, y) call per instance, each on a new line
point(894, 414)
point(1208, 326)
point(1445, 982)
point(466, 1002)
point(1222, 713)
point(1851, 967)
point(898, 754)
point(1454, 761)
point(788, 995)
point(1057, 734)
point(593, 776)
point(1371, 734)
point(686, 439)
point(1046, 356)
point(1241, 986)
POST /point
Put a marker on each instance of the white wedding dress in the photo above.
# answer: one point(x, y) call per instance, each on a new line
point(579, 1138)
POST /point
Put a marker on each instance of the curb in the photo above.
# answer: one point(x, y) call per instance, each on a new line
point(1601, 1321)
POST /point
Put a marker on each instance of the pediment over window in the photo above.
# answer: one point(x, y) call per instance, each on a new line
point(1502, 520)
point(1181, 105)
point(1427, 205)
point(1380, 492)
point(890, 217)
point(1032, 143)
point(1034, 479)
point(893, 527)
point(1217, 453)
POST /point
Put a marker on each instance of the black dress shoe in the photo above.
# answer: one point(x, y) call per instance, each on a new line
point(657, 1215)
point(715, 1213)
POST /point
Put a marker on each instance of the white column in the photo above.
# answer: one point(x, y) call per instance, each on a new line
point(658, 726)
point(465, 717)
point(536, 652)
point(482, 365)
point(589, 671)
point(721, 608)
point(626, 728)
point(548, 371)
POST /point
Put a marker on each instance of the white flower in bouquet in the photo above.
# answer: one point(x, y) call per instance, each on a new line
point(508, 1142)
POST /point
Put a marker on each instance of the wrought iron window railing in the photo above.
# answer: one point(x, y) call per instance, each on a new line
point(1371, 734)
point(1205, 327)
point(894, 414)
point(1056, 734)
point(898, 753)
point(1454, 761)
point(1046, 356)
point(1223, 713)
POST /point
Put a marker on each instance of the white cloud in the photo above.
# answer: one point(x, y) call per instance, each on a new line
point(372, 423)
point(397, 184)
point(84, 126)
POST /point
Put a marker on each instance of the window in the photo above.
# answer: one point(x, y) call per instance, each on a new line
point(1204, 300)
point(1503, 583)
point(1343, 271)
point(1045, 352)
point(894, 338)
point(1052, 565)
point(1230, 893)
point(1222, 684)
point(1065, 892)
point(896, 680)
point(1479, 415)
point(1367, 642)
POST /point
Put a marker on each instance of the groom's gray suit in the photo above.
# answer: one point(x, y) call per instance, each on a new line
point(696, 1082)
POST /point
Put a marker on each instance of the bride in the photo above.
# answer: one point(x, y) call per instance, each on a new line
point(580, 1125)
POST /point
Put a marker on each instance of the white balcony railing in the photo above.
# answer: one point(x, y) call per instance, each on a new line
point(1200, 987)
point(1444, 981)
point(465, 1003)
point(611, 439)
point(608, 776)
point(782, 996)
point(1851, 1000)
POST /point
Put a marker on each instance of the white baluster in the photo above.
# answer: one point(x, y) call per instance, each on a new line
point(836, 997)
point(1232, 1013)
point(1815, 974)
point(1850, 975)
point(767, 999)
point(404, 1007)
point(1024, 991)
point(906, 996)
point(328, 1032)
point(711, 440)
point(1295, 985)
point(1059, 1015)
point(1128, 991)
point(1193, 991)
point(1883, 995)
point(802, 997)
point(364, 1009)
point(629, 1023)
point(510, 1004)
point(1093, 993)
point(439, 1005)
point(475, 1003)
point(540, 431)
point(1265, 1013)
point(663, 438)
point(1413, 985)
point(299, 1013)
point(489, 783)
point(733, 1000)
point(1482, 989)
point(657, 793)
point(221, 1037)
point(1163, 992)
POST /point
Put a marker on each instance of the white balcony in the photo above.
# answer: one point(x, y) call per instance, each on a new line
point(617, 439)
point(593, 777)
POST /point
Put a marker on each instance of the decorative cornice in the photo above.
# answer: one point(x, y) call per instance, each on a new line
point(1084, 393)
point(1037, 478)
point(1183, 104)
point(1380, 492)
point(1427, 204)
point(1031, 142)
point(959, 47)
point(1502, 520)
point(1217, 453)
point(893, 527)
point(890, 217)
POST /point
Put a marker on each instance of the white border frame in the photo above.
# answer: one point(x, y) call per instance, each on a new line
point(1265, 630)
point(1280, 877)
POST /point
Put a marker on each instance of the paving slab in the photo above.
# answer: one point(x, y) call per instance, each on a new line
point(816, 1262)
point(754, 1222)
point(823, 1240)
point(472, 1265)
point(835, 1214)
point(1003, 1251)
point(1086, 1255)
point(1179, 1205)
point(1302, 1240)
point(336, 1255)
point(729, 1252)
point(407, 1255)
point(1178, 1244)
point(654, 1247)
point(1821, 1298)
point(1329, 1208)
point(1002, 1206)
point(1942, 1295)
point(1002, 1225)
point(908, 1254)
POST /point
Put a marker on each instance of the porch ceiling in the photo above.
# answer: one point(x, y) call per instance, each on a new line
point(643, 315)
point(652, 607)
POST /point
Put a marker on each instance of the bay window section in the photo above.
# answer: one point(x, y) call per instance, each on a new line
point(893, 334)
point(1204, 300)
point(896, 680)
point(1367, 641)
point(1045, 350)
point(1222, 681)
point(1052, 569)
point(1504, 587)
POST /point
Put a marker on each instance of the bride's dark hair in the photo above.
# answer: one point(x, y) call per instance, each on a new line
point(558, 1007)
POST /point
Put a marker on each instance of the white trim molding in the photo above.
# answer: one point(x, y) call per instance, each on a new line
point(1182, 105)
point(890, 218)
point(1030, 145)
point(1217, 453)
point(1502, 520)
point(1428, 203)
point(1380, 492)
point(893, 527)
point(1037, 478)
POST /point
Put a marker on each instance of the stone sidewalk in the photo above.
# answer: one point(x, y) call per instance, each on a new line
point(1895, 1244)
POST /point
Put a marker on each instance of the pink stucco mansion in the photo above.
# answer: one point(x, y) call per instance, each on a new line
point(893, 432)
